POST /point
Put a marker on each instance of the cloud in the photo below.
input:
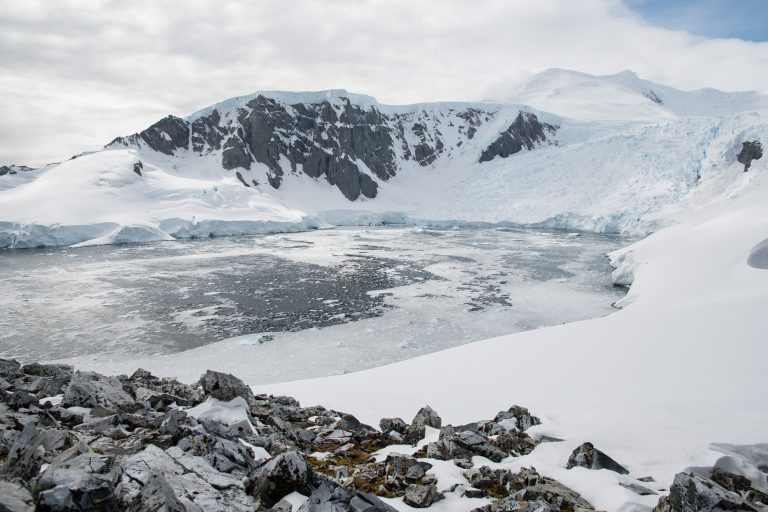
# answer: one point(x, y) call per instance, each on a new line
point(75, 74)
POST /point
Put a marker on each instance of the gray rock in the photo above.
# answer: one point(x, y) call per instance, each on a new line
point(15, 498)
point(89, 477)
point(426, 417)
point(587, 456)
point(421, 496)
point(388, 425)
point(156, 496)
point(638, 489)
point(750, 150)
point(330, 497)
point(88, 389)
point(224, 386)
point(284, 474)
point(526, 131)
point(403, 469)
point(9, 368)
point(58, 499)
point(692, 493)
point(25, 456)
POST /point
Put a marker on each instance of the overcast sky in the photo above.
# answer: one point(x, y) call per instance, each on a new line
point(76, 74)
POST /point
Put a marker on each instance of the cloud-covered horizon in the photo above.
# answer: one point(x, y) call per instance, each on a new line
point(76, 74)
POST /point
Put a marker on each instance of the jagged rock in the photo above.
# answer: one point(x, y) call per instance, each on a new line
point(402, 469)
point(463, 445)
point(731, 482)
point(59, 371)
point(693, 493)
point(330, 497)
point(638, 489)
point(19, 399)
point(88, 389)
point(9, 367)
point(421, 496)
point(750, 150)
point(25, 456)
point(528, 484)
point(196, 484)
point(388, 425)
point(224, 386)
point(426, 417)
point(88, 477)
point(166, 136)
point(15, 498)
point(156, 496)
point(587, 456)
point(284, 474)
point(526, 131)
point(57, 499)
point(515, 443)
point(516, 418)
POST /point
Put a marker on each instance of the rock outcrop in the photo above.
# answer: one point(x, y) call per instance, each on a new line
point(694, 493)
point(76, 441)
point(587, 456)
point(750, 150)
point(353, 146)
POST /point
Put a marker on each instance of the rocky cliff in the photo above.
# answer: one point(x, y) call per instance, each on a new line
point(349, 143)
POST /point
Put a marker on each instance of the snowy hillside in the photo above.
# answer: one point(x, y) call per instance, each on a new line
point(615, 151)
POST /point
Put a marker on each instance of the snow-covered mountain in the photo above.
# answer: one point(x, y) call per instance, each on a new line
point(569, 150)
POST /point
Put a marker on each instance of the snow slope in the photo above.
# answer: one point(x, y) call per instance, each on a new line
point(653, 385)
point(98, 198)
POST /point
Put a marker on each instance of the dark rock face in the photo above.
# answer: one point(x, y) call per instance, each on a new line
point(137, 167)
point(692, 493)
point(350, 146)
point(323, 140)
point(751, 150)
point(526, 131)
point(165, 136)
point(207, 135)
point(587, 456)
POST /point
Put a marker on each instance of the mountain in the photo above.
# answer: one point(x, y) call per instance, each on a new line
point(349, 140)
point(569, 150)
point(625, 97)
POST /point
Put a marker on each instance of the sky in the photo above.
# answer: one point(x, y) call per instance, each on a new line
point(74, 74)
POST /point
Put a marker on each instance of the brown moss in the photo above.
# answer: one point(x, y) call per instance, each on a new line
point(497, 491)
point(373, 486)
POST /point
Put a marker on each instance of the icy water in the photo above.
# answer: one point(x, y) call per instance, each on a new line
point(384, 294)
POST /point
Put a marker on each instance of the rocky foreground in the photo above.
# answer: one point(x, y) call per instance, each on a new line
point(83, 441)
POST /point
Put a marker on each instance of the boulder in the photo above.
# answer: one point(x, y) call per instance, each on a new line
point(693, 493)
point(587, 456)
point(25, 457)
point(388, 425)
point(330, 497)
point(421, 496)
point(88, 389)
point(284, 474)
point(15, 498)
point(426, 417)
point(403, 469)
point(156, 496)
point(81, 477)
point(224, 386)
